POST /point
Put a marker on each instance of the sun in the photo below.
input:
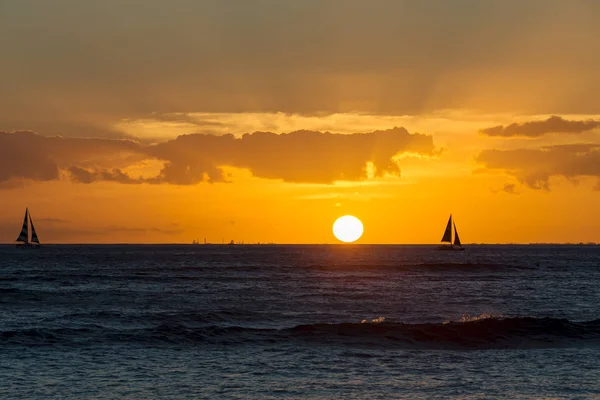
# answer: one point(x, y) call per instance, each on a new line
point(348, 228)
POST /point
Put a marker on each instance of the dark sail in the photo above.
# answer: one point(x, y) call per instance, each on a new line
point(456, 239)
point(23, 236)
point(448, 232)
point(34, 238)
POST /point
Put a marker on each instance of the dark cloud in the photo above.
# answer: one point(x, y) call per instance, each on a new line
point(27, 155)
point(510, 188)
point(21, 157)
point(64, 126)
point(553, 124)
point(534, 167)
point(301, 156)
point(82, 175)
point(106, 60)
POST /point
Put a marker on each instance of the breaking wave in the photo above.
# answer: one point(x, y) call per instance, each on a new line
point(476, 333)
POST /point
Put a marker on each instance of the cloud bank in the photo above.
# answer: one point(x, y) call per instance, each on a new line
point(534, 167)
point(553, 124)
point(27, 155)
point(300, 156)
point(102, 61)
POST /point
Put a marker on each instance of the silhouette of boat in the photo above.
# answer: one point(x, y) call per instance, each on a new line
point(456, 246)
point(24, 235)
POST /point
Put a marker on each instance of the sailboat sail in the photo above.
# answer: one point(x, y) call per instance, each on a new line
point(34, 238)
point(448, 232)
point(23, 236)
point(456, 238)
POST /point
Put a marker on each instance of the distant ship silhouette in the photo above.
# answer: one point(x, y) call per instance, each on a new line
point(231, 243)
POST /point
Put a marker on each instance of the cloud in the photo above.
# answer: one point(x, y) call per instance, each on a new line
point(20, 157)
point(104, 61)
point(534, 167)
point(88, 176)
point(300, 156)
point(27, 155)
point(509, 188)
point(553, 124)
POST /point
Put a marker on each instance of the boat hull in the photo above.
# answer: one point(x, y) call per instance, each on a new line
point(451, 248)
point(28, 245)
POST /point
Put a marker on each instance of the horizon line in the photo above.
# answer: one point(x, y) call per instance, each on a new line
point(589, 243)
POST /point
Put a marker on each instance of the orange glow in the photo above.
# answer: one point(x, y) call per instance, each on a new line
point(280, 124)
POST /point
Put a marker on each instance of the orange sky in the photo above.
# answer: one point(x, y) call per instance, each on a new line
point(142, 122)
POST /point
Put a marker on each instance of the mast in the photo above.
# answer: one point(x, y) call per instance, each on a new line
point(24, 235)
point(34, 237)
point(448, 232)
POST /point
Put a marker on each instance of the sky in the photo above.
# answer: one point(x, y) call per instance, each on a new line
point(146, 121)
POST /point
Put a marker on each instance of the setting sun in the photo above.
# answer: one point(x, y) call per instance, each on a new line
point(348, 228)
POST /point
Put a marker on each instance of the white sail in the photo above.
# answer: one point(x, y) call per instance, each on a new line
point(24, 235)
point(448, 232)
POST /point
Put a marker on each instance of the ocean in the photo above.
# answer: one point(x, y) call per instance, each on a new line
point(299, 322)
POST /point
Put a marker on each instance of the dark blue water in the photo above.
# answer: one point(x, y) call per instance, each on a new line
point(322, 322)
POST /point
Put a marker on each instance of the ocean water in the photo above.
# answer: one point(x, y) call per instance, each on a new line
point(306, 322)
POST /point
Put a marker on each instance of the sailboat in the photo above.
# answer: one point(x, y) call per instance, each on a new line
point(24, 235)
point(451, 227)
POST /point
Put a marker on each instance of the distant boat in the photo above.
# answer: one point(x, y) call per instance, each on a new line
point(24, 236)
point(451, 227)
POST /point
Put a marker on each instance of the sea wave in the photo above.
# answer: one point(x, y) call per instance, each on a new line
point(482, 333)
